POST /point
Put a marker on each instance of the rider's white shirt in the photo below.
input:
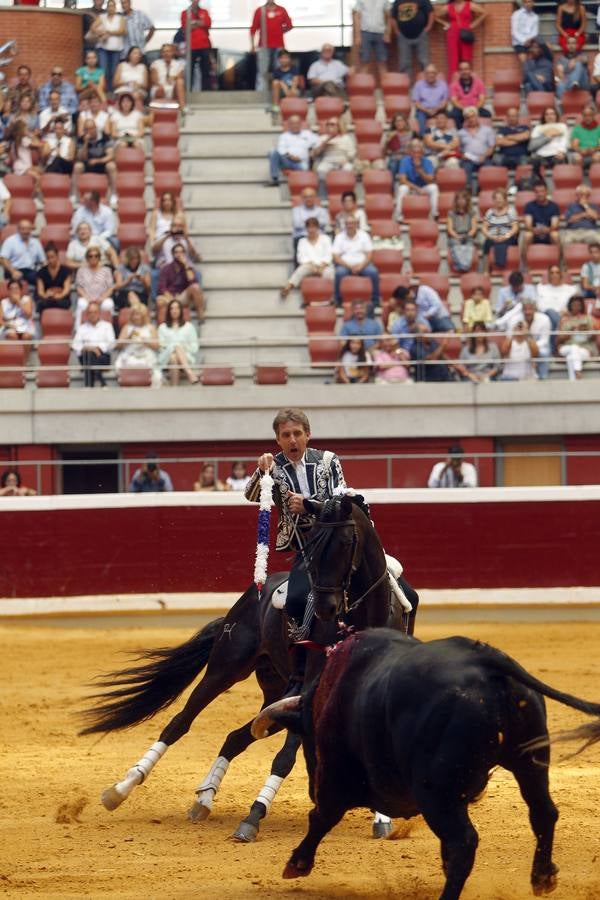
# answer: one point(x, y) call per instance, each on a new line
point(300, 468)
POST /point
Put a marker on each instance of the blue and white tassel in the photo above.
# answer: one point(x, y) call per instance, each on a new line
point(264, 527)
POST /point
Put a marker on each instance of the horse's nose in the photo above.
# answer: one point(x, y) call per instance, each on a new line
point(327, 608)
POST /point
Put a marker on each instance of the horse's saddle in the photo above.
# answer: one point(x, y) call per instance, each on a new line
point(279, 595)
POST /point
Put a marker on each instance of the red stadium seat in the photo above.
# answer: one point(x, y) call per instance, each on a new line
point(377, 181)
point(370, 152)
point(58, 211)
point(132, 209)
point(92, 181)
point(356, 287)
point(166, 114)
point(167, 181)
point(320, 319)
point(445, 204)
point(12, 364)
point(164, 135)
point(523, 170)
point(507, 80)
point(57, 323)
point(594, 175)
point(575, 256)
point(503, 101)
point(22, 208)
point(166, 159)
point(317, 290)
point(423, 233)
point(386, 229)
point(572, 102)
point(521, 201)
point(424, 260)
point(293, 106)
point(368, 131)
point(338, 182)
point(130, 159)
point(360, 84)
point(388, 284)
point(217, 375)
point(328, 107)
point(134, 377)
point(362, 107)
point(567, 176)
point(388, 261)
point(7, 231)
point(323, 350)
point(563, 197)
point(492, 177)
point(54, 364)
point(132, 234)
point(270, 375)
point(439, 282)
point(54, 185)
point(513, 260)
point(415, 206)
point(450, 179)
point(396, 103)
point(485, 201)
point(130, 184)
point(19, 185)
point(395, 83)
point(334, 202)
point(298, 180)
point(379, 206)
point(541, 256)
point(59, 234)
point(538, 101)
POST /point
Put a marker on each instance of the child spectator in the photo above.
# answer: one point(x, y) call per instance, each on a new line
point(388, 359)
point(239, 477)
point(353, 366)
point(477, 310)
point(286, 80)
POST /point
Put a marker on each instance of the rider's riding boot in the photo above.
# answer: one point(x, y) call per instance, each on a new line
point(298, 666)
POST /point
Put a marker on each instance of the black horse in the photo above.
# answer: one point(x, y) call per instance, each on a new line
point(252, 637)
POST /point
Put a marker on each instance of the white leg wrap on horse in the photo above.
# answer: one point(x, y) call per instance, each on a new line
point(140, 771)
point(209, 787)
point(379, 817)
point(269, 791)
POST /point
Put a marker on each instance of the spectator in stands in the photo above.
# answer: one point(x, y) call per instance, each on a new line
point(161, 220)
point(21, 254)
point(353, 363)
point(138, 344)
point(327, 75)
point(542, 217)
point(314, 256)
point(581, 218)
point(524, 28)
point(54, 282)
point(350, 208)
point(585, 139)
point(139, 29)
point(293, 149)
point(132, 280)
point(80, 244)
point(110, 29)
point(553, 295)
point(94, 339)
point(549, 142)
point(577, 344)
point(271, 22)
point(590, 273)
point(150, 478)
point(396, 143)
point(22, 145)
point(595, 83)
point(388, 361)
point(461, 228)
point(352, 255)
point(571, 18)
point(371, 21)
point(24, 85)
point(178, 234)
point(538, 72)
point(94, 283)
point(89, 78)
point(4, 204)
point(361, 325)
point(132, 76)
point(178, 280)
point(58, 150)
point(511, 296)
point(68, 94)
point(91, 13)
point(519, 350)
point(500, 228)
point(539, 327)
point(127, 122)
point(412, 22)
point(239, 477)
point(477, 144)
point(286, 80)
point(99, 217)
point(429, 306)
point(26, 113)
point(94, 154)
point(416, 175)
point(200, 25)
point(453, 472)
point(167, 77)
point(207, 479)
point(512, 139)
point(479, 357)
point(441, 142)
point(409, 323)
point(17, 314)
point(336, 150)
point(54, 111)
point(460, 19)
point(430, 93)
point(92, 109)
point(12, 486)
point(466, 91)
point(571, 69)
point(178, 344)
point(477, 310)
point(308, 207)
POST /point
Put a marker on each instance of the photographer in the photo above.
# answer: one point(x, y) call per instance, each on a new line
point(453, 472)
point(150, 478)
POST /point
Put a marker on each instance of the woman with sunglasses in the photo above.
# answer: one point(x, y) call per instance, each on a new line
point(335, 150)
point(94, 284)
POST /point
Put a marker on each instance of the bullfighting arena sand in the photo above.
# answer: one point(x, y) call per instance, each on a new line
point(58, 841)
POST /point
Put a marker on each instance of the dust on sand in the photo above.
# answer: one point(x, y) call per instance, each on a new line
point(57, 844)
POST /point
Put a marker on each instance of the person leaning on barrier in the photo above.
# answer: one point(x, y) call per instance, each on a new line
point(150, 478)
point(454, 471)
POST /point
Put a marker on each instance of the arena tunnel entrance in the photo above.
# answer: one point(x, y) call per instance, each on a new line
point(90, 471)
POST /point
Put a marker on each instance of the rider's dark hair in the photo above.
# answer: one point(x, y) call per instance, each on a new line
point(291, 415)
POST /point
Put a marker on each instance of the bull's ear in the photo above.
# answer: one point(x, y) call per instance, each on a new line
point(313, 507)
point(285, 713)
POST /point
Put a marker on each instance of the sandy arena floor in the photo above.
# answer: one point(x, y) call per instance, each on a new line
point(58, 841)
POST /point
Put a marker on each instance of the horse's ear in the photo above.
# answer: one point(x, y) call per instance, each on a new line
point(313, 507)
point(346, 506)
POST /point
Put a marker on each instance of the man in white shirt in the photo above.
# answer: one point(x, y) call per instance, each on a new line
point(21, 254)
point(93, 341)
point(326, 75)
point(524, 28)
point(539, 328)
point(453, 472)
point(352, 255)
point(99, 217)
point(371, 19)
point(4, 204)
point(293, 149)
point(53, 112)
point(513, 294)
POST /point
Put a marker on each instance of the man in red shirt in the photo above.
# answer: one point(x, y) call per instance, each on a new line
point(270, 22)
point(200, 23)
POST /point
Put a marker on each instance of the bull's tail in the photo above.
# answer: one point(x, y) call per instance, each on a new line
point(141, 691)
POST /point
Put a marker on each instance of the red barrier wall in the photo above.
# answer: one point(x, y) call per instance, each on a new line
point(541, 538)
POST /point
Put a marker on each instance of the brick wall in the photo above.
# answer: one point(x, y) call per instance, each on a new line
point(45, 37)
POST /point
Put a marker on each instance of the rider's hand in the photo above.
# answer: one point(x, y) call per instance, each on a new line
point(265, 462)
point(296, 503)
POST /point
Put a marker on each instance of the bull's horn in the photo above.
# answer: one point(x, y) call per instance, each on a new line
point(266, 718)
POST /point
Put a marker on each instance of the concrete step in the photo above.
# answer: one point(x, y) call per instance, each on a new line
point(240, 275)
point(231, 197)
point(251, 356)
point(219, 169)
point(252, 246)
point(247, 120)
point(244, 221)
point(198, 100)
point(228, 330)
point(251, 303)
point(230, 145)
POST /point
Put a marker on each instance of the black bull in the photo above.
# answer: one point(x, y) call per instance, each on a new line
point(406, 727)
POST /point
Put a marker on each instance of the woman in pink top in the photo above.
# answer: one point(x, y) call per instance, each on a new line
point(460, 18)
point(387, 359)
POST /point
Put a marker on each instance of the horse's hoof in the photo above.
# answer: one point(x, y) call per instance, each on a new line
point(111, 798)
point(298, 869)
point(245, 833)
point(198, 812)
point(545, 884)
point(382, 829)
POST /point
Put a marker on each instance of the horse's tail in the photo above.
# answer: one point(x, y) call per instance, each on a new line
point(140, 692)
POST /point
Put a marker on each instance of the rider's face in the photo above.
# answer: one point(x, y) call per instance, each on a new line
point(292, 438)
